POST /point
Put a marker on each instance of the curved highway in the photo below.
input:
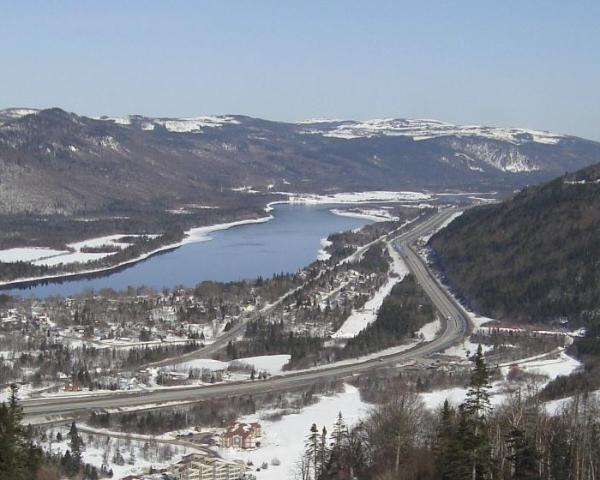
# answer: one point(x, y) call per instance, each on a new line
point(456, 326)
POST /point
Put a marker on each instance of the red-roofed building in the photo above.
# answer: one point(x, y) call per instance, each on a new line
point(242, 435)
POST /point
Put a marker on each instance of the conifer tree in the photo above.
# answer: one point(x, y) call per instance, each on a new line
point(445, 442)
point(75, 444)
point(476, 410)
point(323, 453)
point(311, 451)
point(524, 458)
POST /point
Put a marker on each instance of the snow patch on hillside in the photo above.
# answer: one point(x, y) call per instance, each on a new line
point(423, 129)
point(195, 124)
point(322, 254)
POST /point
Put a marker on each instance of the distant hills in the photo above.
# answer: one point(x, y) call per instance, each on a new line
point(535, 257)
point(55, 162)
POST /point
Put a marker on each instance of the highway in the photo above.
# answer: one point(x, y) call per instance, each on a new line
point(456, 326)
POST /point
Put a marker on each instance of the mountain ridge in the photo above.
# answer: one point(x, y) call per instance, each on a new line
point(533, 257)
point(56, 162)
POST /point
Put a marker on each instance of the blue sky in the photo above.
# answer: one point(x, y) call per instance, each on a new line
point(508, 63)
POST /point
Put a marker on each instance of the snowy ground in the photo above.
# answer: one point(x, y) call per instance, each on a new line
point(555, 407)
point(360, 319)
point(272, 364)
point(322, 254)
point(356, 197)
point(284, 439)
point(465, 349)
point(549, 367)
point(193, 235)
point(138, 455)
point(73, 253)
point(28, 254)
point(376, 215)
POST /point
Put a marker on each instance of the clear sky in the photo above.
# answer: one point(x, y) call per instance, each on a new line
point(522, 63)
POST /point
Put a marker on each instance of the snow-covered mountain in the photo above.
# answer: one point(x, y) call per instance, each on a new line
point(418, 129)
point(55, 161)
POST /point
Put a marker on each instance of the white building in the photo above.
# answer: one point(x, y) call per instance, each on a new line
point(202, 467)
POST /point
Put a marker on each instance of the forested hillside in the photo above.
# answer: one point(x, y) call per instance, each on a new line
point(57, 163)
point(532, 258)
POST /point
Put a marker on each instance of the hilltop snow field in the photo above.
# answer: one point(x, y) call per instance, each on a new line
point(423, 129)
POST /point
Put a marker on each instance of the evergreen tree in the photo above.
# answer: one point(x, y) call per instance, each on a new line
point(445, 442)
point(476, 409)
point(75, 444)
point(523, 458)
point(19, 458)
point(323, 453)
point(311, 451)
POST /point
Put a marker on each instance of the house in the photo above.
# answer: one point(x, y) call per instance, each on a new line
point(196, 466)
point(72, 387)
point(242, 435)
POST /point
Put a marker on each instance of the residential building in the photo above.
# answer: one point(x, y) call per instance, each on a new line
point(197, 466)
point(242, 435)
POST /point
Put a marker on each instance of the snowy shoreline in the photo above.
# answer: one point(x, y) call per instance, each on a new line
point(199, 234)
point(194, 235)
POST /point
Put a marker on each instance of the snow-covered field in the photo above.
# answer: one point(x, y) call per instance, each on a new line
point(51, 257)
point(429, 331)
point(272, 364)
point(359, 319)
point(549, 367)
point(465, 349)
point(135, 455)
point(28, 254)
point(376, 215)
point(356, 197)
point(284, 439)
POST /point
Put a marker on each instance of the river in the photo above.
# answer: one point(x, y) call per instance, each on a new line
point(287, 243)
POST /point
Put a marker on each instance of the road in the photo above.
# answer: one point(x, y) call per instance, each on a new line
point(456, 326)
point(238, 329)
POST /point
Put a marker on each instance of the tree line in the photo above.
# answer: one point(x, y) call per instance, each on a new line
point(518, 440)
